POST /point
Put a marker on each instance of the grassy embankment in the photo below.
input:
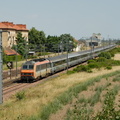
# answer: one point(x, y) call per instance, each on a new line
point(50, 96)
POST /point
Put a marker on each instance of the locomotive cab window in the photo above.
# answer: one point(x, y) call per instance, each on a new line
point(31, 67)
point(24, 67)
point(27, 67)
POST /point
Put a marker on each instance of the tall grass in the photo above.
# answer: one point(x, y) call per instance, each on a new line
point(67, 97)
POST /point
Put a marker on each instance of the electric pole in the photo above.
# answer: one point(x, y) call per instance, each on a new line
point(1, 65)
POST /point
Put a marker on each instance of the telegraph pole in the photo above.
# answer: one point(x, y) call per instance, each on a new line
point(16, 59)
point(67, 52)
point(91, 48)
point(1, 64)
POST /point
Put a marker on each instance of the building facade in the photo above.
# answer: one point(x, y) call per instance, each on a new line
point(9, 33)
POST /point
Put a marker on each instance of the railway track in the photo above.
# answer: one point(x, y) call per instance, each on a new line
point(6, 73)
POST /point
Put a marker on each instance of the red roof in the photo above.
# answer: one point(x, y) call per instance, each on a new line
point(9, 51)
point(10, 25)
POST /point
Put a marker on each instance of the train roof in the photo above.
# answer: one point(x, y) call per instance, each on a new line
point(35, 60)
point(74, 54)
point(57, 58)
point(64, 56)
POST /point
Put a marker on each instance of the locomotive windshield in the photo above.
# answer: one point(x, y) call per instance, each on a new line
point(28, 67)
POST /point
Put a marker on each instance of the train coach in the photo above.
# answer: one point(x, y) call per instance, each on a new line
point(38, 68)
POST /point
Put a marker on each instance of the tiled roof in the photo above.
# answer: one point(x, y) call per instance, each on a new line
point(10, 25)
point(9, 51)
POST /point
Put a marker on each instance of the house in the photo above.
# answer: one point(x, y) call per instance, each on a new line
point(9, 33)
point(94, 40)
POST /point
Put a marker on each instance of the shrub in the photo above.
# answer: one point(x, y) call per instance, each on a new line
point(70, 72)
point(93, 65)
point(101, 59)
point(7, 58)
point(91, 61)
point(106, 55)
point(82, 68)
point(115, 62)
point(109, 67)
point(20, 95)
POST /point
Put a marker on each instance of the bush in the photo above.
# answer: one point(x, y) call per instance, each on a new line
point(7, 58)
point(31, 57)
point(70, 72)
point(82, 68)
point(106, 55)
point(20, 95)
point(93, 65)
point(91, 61)
point(115, 62)
point(109, 67)
point(101, 59)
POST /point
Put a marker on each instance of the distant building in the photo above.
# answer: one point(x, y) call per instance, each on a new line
point(98, 36)
point(9, 33)
point(95, 40)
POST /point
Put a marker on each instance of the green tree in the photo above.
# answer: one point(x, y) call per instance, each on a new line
point(68, 42)
point(52, 44)
point(37, 39)
point(21, 45)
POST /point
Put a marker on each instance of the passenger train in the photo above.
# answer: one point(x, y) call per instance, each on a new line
point(38, 68)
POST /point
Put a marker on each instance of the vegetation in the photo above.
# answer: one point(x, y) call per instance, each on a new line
point(109, 112)
point(37, 39)
point(37, 98)
point(20, 95)
point(84, 110)
point(106, 55)
point(104, 61)
point(21, 45)
point(40, 43)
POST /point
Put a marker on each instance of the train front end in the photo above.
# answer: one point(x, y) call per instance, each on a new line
point(27, 72)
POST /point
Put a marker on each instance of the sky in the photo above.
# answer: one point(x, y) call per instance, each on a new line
point(79, 18)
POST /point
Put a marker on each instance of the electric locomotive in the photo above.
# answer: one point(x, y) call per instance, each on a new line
point(34, 69)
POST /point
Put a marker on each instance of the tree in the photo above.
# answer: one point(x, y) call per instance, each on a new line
point(21, 45)
point(52, 44)
point(68, 42)
point(37, 39)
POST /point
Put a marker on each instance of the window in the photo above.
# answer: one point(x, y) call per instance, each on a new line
point(48, 65)
point(24, 67)
point(38, 68)
point(43, 66)
point(74, 58)
point(30, 66)
point(59, 62)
